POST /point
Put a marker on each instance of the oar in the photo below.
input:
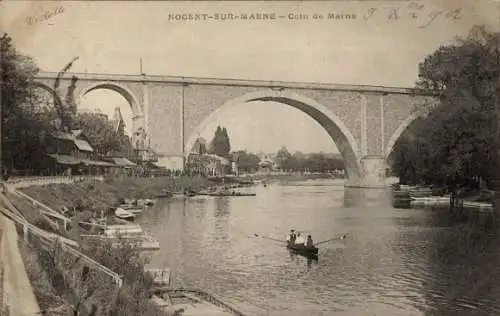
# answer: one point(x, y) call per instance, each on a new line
point(278, 240)
point(335, 238)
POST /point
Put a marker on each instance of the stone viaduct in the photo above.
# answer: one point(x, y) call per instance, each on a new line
point(170, 113)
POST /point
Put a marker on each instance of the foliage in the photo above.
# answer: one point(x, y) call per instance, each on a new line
point(247, 162)
point(456, 141)
point(66, 110)
point(315, 162)
point(220, 144)
point(100, 132)
point(19, 143)
point(126, 260)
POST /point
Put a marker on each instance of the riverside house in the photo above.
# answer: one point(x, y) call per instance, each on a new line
point(72, 154)
point(208, 164)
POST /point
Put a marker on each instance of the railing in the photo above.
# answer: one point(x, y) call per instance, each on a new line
point(42, 180)
point(48, 211)
point(49, 238)
point(217, 301)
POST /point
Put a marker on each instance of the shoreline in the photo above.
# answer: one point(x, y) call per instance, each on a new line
point(85, 201)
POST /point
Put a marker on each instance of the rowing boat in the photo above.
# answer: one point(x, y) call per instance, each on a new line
point(301, 249)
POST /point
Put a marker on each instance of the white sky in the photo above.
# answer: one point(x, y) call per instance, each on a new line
point(110, 37)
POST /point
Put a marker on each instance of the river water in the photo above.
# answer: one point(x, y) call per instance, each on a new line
point(394, 262)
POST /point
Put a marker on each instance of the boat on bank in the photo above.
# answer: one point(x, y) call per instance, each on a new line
point(227, 194)
point(123, 214)
point(431, 201)
point(145, 202)
point(134, 209)
point(164, 194)
point(191, 302)
point(131, 233)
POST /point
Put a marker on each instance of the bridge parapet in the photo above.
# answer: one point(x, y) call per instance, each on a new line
point(237, 82)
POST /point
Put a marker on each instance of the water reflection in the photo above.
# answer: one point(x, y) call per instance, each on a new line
point(464, 261)
point(358, 197)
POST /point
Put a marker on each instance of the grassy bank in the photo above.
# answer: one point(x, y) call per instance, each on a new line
point(97, 195)
point(50, 274)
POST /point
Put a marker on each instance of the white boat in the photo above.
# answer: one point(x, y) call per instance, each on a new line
point(123, 214)
point(145, 202)
point(132, 208)
point(132, 233)
point(123, 230)
point(161, 277)
point(432, 199)
point(478, 205)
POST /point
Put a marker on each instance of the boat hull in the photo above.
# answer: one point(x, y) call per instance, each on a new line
point(303, 250)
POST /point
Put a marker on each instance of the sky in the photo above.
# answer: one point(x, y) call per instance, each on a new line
point(111, 37)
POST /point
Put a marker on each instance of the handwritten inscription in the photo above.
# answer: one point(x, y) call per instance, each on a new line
point(44, 16)
point(423, 15)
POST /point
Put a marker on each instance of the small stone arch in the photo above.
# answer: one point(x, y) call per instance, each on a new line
point(337, 130)
point(113, 86)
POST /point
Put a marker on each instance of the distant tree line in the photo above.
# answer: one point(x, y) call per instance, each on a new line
point(315, 162)
point(249, 162)
point(454, 144)
point(285, 161)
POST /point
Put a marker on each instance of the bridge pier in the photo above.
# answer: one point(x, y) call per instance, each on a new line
point(373, 169)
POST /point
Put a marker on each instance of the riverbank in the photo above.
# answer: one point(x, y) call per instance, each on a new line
point(288, 176)
point(85, 201)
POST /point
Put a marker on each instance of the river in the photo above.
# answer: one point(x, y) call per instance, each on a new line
point(394, 262)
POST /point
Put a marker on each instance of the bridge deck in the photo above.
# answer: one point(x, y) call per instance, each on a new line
point(236, 82)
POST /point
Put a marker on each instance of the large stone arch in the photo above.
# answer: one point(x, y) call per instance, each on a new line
point(399, 131)
point(333, 125)
point(116, 87)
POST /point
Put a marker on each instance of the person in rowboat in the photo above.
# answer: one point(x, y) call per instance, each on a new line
point(300, 240)
point(309, 242)
point(292, 236)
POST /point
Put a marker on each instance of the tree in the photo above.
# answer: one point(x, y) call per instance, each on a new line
point(100, 132)
point(18, 96)
point(226, 142)
point(247, 162)
point(283, 158)
point(456, 141)
point(220, 144)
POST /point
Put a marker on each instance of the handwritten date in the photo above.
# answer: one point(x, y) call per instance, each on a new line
point(416, 11)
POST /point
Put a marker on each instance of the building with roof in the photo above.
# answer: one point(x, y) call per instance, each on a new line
point(72, 153)
point(208, 164)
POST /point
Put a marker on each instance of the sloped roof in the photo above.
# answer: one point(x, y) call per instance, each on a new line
point(83, 145)
point(123, 162)
point(80, 143)
point(66, 160)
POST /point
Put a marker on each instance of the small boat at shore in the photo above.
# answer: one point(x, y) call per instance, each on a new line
point(145, 202)
point(164, 194)
point(227, 194)
point(193, 302)
point(131, 208)
point(131, 233)
point(123, 214)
